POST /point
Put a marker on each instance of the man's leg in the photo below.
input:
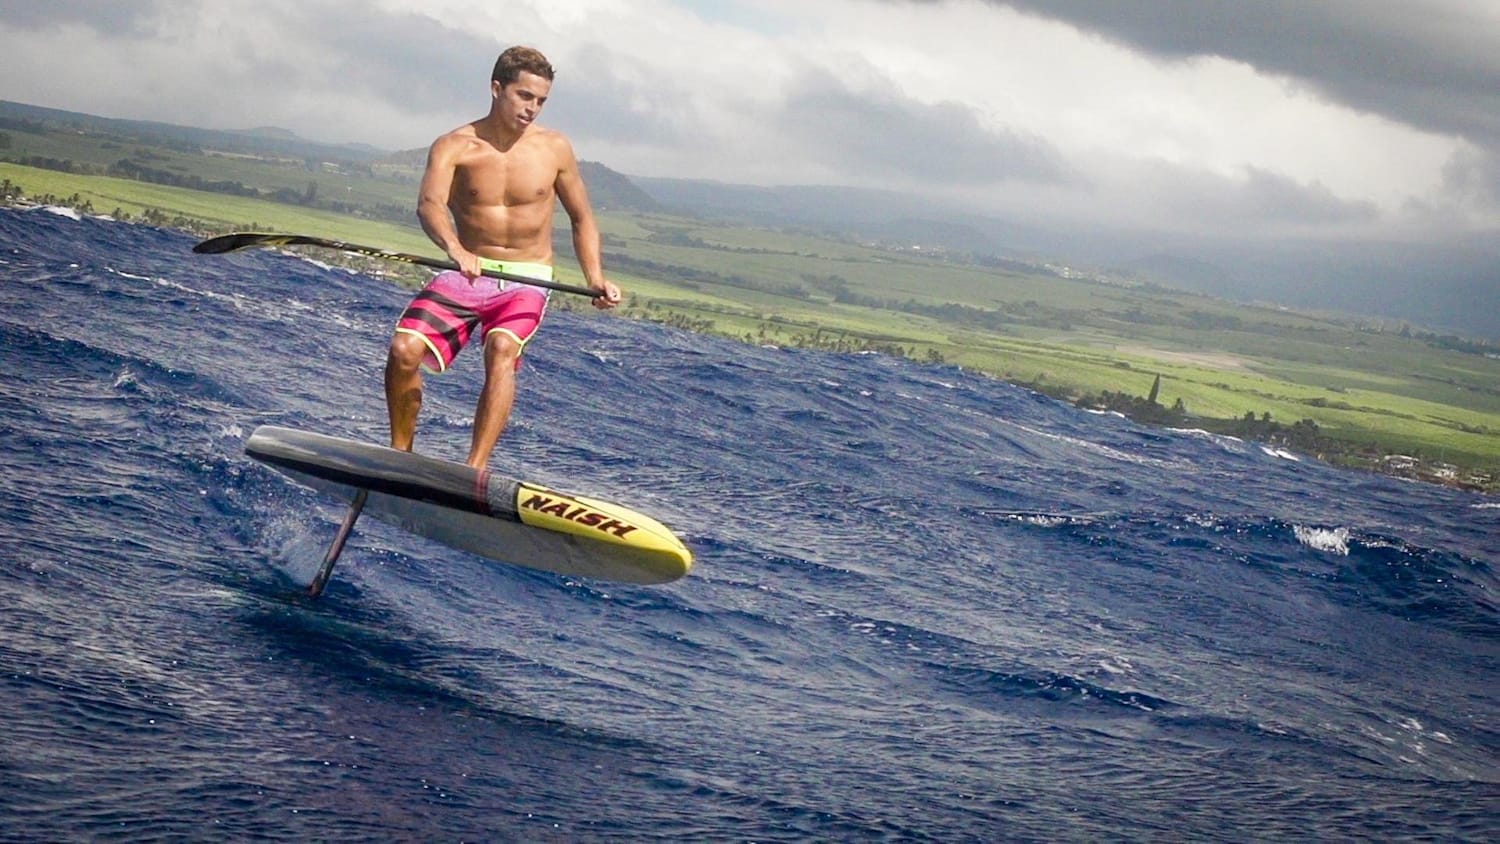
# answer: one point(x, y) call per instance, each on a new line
point(501, 352)
point(403, 388)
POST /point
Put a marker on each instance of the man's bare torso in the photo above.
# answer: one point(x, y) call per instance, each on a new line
point(502, 200)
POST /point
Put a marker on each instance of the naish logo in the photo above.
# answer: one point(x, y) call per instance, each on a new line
point(577, 513)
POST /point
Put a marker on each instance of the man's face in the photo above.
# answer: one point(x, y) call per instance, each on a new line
point(521, 101)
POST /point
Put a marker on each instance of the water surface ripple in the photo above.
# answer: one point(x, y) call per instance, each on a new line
point(928, 605)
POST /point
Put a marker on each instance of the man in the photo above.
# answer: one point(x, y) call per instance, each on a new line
point(487, 200)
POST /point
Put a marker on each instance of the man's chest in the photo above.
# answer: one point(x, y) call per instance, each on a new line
point(517, 177)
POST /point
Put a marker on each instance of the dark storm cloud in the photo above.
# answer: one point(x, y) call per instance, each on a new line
point(1429, 64)
point(882, 133)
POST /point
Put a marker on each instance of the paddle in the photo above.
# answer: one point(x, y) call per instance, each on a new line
point(246, 240)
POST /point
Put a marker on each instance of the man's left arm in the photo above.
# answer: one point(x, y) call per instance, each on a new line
point(586, 242)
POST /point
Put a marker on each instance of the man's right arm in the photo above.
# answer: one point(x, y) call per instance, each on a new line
point(432, 202)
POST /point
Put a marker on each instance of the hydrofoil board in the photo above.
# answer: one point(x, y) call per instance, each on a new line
point(504, 519)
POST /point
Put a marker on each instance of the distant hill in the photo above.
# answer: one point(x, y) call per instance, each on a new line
point(613, 191)
point(608, 189)
point(891, 217)
point(810, 206)
point(405, 158)
point(260, 141)
point(1176, 271)
point(1435, 284)
point(272, 132)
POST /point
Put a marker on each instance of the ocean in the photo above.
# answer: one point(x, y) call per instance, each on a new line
point(927, 605)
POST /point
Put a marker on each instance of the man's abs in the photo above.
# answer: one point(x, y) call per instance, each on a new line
point(514, 233)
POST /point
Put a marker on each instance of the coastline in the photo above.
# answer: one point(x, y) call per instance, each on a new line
point(1297, 440)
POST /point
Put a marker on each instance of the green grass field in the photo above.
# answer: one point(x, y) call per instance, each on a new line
point(1361, 385)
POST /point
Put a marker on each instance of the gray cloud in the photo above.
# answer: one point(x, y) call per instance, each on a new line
point(883, 133)
point(1276, 198)
point(313, 67)
point(872, 136)
point(408, 60)
point(1474, 176)
point(1432, 64)
point(1164, 196)
point(108, 17)
point(599, 93)
point(412, 63)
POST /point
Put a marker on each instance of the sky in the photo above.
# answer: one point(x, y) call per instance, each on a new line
point(1343, 119)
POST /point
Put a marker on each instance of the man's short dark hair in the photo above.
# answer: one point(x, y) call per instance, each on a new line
point(517, 60)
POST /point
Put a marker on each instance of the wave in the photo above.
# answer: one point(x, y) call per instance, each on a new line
point(1000, 688)
point(1358, 568)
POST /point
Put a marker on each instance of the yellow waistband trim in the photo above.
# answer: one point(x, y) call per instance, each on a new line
point(523, 268)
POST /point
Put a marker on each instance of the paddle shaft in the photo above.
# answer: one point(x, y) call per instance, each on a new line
point(247, 240)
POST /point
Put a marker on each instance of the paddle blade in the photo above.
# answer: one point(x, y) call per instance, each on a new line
point(241, 240)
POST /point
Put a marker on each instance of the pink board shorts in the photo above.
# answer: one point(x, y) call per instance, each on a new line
point(448, 312)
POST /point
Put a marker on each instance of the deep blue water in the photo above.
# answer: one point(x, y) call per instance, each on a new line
point(927, 605)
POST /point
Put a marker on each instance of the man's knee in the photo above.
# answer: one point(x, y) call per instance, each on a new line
point(406, 351)
point(501, 350)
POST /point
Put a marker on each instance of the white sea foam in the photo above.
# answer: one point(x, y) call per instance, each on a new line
point(322, 265)
point(1282, 453)
point(1043, 520)
point(1203, 520)
point(1332, 540)
point(124, 378)
point(1233, 445)
point(62, 211)
point(1228, 442)
point(1097, 448)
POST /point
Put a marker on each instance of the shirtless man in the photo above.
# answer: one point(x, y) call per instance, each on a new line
point(487, 200)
